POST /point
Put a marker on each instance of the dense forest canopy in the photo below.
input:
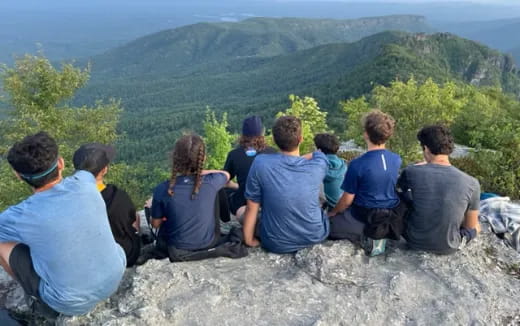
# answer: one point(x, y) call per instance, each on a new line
point(207, 77)
point(153, 81)
point(484, 118)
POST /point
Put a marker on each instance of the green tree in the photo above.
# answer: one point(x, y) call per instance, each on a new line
point(36, 99)
point(484, 118)
point(313, 119)
point(412, 105)
point(218, 140)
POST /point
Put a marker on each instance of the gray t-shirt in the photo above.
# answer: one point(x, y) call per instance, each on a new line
point(441, 196)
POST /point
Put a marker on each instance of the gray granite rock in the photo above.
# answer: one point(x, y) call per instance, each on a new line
point(329, 284)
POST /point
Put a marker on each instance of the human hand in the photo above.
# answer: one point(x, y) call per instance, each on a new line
point(253, 243)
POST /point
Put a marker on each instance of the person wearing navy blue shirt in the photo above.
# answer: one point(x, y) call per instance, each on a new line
point(287, 188)
point(366, 208)
point(184, 206)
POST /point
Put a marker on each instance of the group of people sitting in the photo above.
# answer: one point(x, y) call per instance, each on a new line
point(54, 242)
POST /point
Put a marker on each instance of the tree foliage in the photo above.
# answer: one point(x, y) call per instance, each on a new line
point(412, 105)
point(218, 140)
point(313, 119)
point(483, 118)
point(36, 100)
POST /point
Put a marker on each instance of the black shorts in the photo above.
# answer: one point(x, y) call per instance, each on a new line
point(22, 266)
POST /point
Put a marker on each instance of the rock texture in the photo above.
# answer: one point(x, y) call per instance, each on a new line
point(330, 284)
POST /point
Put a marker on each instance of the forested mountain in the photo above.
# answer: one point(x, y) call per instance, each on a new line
point(164, 93)
point(500, 34)
point(176, 51)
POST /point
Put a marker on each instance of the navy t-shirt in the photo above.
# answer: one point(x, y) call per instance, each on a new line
point(372, 178)
point(238, 163)
point(190, 224)
point(288, 189)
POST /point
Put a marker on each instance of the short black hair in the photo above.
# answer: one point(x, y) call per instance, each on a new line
point(35, 154)
point(287, 131)
point(327, 143)
point(437, 138)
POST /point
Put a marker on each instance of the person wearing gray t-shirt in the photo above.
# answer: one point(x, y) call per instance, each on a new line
point(444, 201)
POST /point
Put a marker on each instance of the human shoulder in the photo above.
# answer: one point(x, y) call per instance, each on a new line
point(12, 212)
point(161, 190)
point(394, 156)
point(269, 150)
point(470, 180)
point(121, 194)
point(266, 158)
point(82, 176)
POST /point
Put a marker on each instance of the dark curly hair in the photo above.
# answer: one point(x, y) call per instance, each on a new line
point(379, 126)
point(437, 138)
point(34, 155)
point(287, 132)
point(327, 143)
point(188, 159)
point(257, 142)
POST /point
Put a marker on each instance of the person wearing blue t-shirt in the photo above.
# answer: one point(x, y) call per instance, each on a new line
point(367, 211)
point(184, 206)
point(57, 243)
point(287, 187)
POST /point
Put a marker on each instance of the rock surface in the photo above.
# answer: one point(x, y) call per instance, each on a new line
point(330, 284)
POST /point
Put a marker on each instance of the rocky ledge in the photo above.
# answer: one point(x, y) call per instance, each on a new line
point(330, 284)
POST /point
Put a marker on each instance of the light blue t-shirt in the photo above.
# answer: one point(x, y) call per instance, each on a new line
point(288, 189)
point(72, 248)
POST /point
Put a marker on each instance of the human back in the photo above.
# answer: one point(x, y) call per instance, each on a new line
point(64, 253)
point(441, 196)
point(444, 201)
point(291, 212)
point(73, 250)
point(286, 187)
point(184, 206)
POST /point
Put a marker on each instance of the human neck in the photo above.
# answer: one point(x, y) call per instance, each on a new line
point(440, 160)
point(48, 186)
point(373, 147)
point(296, 152)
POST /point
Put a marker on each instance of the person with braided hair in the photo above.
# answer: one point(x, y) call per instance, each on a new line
point(184, 206)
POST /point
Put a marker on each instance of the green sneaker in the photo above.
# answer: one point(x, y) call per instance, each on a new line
point(373, 247)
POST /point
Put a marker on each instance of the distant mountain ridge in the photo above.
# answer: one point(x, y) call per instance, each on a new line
point(162, 96)
point(177, 50)
point(502, 34)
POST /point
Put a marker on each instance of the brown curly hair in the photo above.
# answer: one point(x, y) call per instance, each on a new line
point(188, 159)
point(379, 126)
point(257, 142)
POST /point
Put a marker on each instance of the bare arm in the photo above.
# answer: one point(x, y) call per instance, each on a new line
point(471, 220)
point(250, 218)
point(137, 222)
point(226, 173)
point(232, 185)
point(307, 156)
point(344, 202)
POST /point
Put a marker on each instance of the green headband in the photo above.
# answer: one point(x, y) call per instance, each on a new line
point(40, 175)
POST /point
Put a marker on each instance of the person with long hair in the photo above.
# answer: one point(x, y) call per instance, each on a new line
point(184, 206)
point(251, 144)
